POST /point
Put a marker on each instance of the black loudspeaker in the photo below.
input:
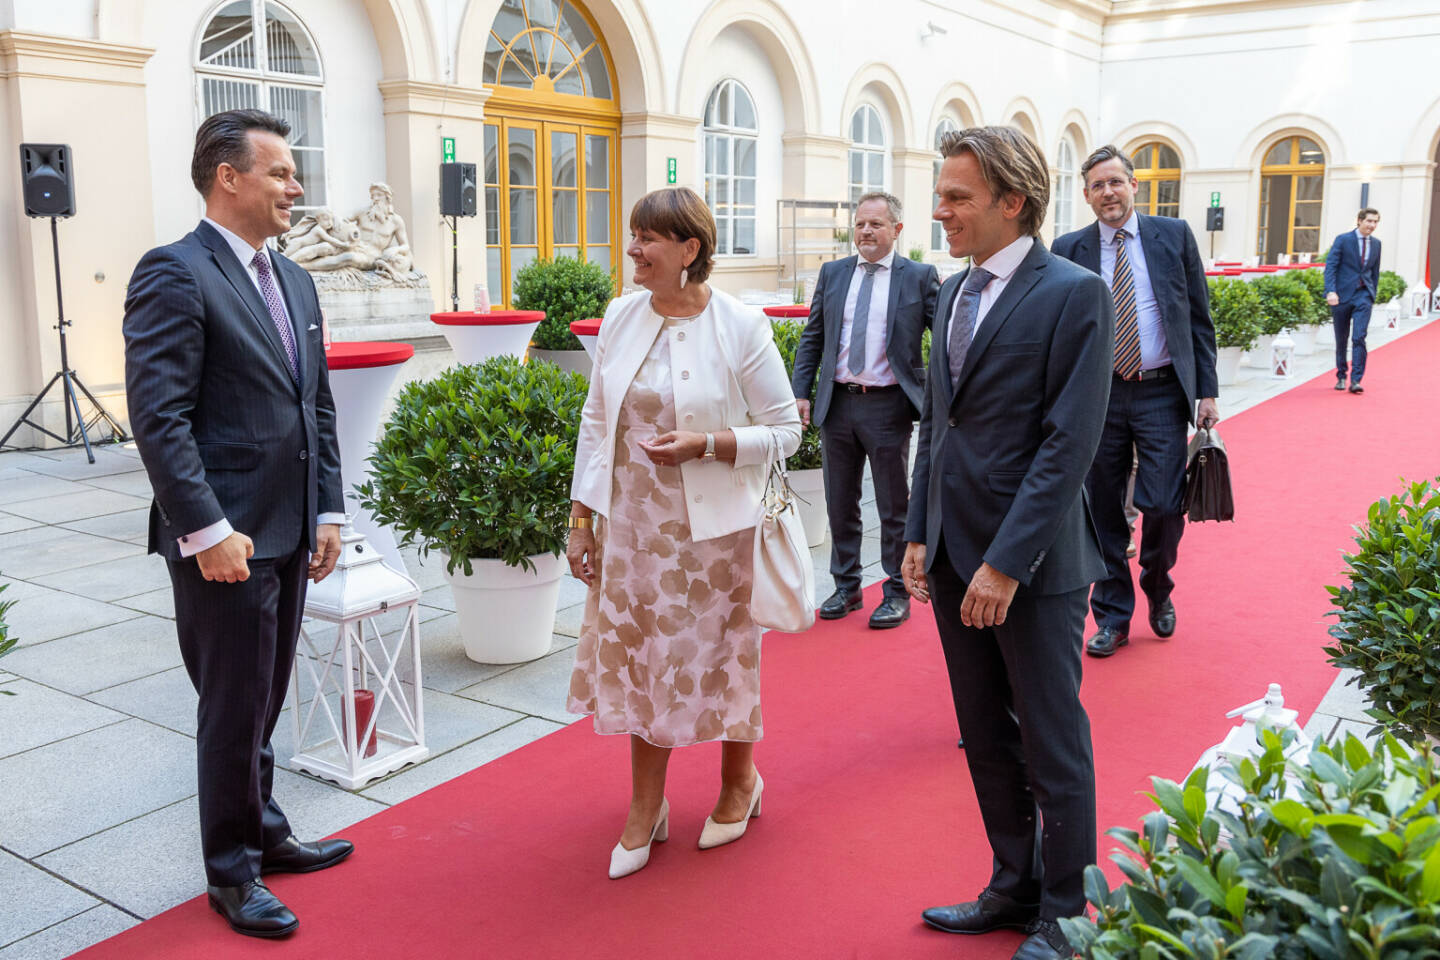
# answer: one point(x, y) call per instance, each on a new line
point(457, 190)
point(1214, 218)
point(48, 179)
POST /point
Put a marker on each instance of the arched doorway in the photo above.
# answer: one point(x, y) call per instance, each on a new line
point(552, 165)
point(1292, 185)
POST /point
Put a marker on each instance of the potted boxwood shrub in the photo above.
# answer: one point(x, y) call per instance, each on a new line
point(1387, 293)
point(1318, 317)
point(1388, 628)
point(1234, 309)
point(806, 478)
point(1343, 861)
point(1285, 306)
point(476, 464)
point(566, 289)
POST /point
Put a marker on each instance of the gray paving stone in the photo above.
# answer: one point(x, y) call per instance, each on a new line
point(70, 936)
point(40, 551)
point(34, 899)
point(131, 525)
point(74, 466)
point(135, 484)
point(166, 699)
point(41, 613)
point(443, 660)
point(22, 485)
point(111, 579)
point(414, 781)
point(1345, 700)
point(572, 591)
point(160, 603)
point(568, 620)
point(9, 523)
point(429, 572)
point(77, 506)
point(441, 597)
point(59, 793)
point(38, 715)
point(85, 662)
point(537, 688)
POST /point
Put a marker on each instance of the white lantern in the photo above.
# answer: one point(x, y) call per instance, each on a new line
point(1267, 713)
point(1282, 356)
point(343, 691)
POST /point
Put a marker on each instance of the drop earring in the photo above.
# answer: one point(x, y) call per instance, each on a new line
point(684, 275)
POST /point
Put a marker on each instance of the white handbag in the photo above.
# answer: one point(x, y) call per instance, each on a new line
point(782, 596)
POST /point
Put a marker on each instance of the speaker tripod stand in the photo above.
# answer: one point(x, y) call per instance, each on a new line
point(77, 429)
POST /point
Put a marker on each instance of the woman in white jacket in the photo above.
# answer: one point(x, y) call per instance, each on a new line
point(688, 400)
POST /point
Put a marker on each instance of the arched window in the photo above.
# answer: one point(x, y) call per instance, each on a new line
point(1157, 168)
point(867, 152)
point(259, 55)
point(1064, 188)
point(937, 232)
point(547, 47)
point(730, 149)
point(1292, 182)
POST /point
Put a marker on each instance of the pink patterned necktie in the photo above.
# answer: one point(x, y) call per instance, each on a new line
point(261, 263)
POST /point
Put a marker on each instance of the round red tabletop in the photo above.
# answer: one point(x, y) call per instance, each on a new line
point(789, 311)
point(1233, 273)
point(358, 354)
point(494, 318)
point(586, 328)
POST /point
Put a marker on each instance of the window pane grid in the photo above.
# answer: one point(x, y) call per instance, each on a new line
point(731, 150)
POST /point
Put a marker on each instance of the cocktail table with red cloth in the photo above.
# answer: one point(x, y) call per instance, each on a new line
point(790, 311)
point(586, 331)
point(476, 337)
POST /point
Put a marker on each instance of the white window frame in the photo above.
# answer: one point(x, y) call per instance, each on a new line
point(937, 229)
point(725, 129)
point(264, 80)
point(1063, 216)
point(867, 149)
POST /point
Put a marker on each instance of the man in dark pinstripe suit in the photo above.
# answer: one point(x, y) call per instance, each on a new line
point(231, 410)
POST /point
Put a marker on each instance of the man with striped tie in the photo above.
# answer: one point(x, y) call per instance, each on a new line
point(1164, 382)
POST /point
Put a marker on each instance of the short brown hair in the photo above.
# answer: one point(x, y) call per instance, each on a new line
point(1010, 163)
point(225, 138)
point(680, 214)
point(1367, 212)
point(1107, 152)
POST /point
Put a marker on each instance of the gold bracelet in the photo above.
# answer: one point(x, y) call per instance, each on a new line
point(581, 523)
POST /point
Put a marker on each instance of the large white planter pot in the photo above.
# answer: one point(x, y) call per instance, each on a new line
point(1304, 338)
point(1325, 334)
point(1227, 365)
point(809, 486)
point(1259, 355)
point(576, 361)
point(507, 615)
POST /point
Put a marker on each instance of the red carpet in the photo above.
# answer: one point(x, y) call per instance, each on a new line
point(869, 815)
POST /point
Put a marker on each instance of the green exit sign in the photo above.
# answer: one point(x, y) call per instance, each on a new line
point(670, 169)
point(1215, 199)
point(447, 149)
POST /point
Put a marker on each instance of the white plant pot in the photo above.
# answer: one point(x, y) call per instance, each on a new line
point(1259, 355)
point(809, 486)
point(1304, 338)
point(507, 615)
point(576, 361)
point(1227, 365)
point(1325, 334)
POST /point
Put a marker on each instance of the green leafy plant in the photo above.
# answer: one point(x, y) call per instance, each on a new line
point(1284, 302)
point(917, 254)
point(799, 292)
point(567, 289)
point(1320, 257)
point(1235, 311)
point(1388, 627)
point(1391, 285)
point(841, 235)
point(787, 339)
point(7, 642)
point(477, 462)
point(1341, 863)
point(1314, 281)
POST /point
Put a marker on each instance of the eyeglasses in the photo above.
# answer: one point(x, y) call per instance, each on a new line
point(1114, 183)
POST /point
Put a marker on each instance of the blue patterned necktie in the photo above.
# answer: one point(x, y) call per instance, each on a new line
point(860, 323)
point(261, 263)
point(962, 327)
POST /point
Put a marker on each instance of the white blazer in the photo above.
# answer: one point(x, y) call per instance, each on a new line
point(727, 374)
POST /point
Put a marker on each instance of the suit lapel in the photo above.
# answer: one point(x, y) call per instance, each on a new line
point(940, 337)
point(1026, 276)
point(299, 322)
point(627, 361)
point(1157, 257)
point(225, 259)
point(835, 306)
point(1087, 249)
point(898, 266)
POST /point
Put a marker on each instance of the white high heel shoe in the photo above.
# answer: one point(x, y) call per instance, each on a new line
point(719, 834)
point(625, 862)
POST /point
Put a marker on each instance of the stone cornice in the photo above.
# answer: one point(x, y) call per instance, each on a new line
point(433, 99)
point(1129, 10)
point(805, 142)
point(914, 155)
point(655, 124)
point(51, 57)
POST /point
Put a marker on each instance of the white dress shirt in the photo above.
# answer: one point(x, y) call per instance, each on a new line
point(1003, 265)
point(876, 372)
point(1154, 351)
point(207, 537)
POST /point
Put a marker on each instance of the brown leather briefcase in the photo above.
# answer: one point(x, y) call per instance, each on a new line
point(1207, 478)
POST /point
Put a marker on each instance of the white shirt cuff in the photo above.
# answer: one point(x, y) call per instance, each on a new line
point(205, 538)
point(336, 518)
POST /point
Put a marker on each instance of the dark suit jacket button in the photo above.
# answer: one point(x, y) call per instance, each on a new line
point(954, 422)
point(304, 455)
point(184, 539)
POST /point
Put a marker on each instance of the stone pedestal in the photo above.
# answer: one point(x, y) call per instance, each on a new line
point(380, 313)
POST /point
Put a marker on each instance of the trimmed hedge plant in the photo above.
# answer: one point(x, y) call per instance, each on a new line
point(787, 339)
point(1388, 628)
point(1314, 281)
point(477, 462)
point(1284, 302)
point(1391, 285)
point(567, 289)
point(1235, 311)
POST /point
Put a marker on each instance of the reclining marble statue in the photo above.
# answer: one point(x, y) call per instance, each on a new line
point(365, 250)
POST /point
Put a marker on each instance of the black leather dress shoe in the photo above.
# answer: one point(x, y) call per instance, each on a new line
point(838, 604)
point(992, 911)
point(1356, 388)
point(1046, 942)
point(1340, 384)
point(1105, 642)
point(253, 910)
point(292, 856)
point(1162, 619)
point(892, 612)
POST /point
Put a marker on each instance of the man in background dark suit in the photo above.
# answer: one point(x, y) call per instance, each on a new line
point(1352, 275)
point(866, 319)
point(1165, 380)
point(999, 533)
point(230, 405)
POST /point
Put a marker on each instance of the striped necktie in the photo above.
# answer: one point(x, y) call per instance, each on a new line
point(1127, 316)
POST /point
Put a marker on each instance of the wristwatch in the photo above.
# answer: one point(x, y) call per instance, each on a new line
point(709, 453)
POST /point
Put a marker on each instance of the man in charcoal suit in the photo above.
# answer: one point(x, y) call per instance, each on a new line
point(1352, 275)
point(231, 409)
point(863, 337)
point(1000, 534)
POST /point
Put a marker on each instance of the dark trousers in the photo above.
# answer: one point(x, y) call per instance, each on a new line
point(1146, 423)
point(1027, 738)
point(238, 644)
point(1352, 323)
point(858, 426)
